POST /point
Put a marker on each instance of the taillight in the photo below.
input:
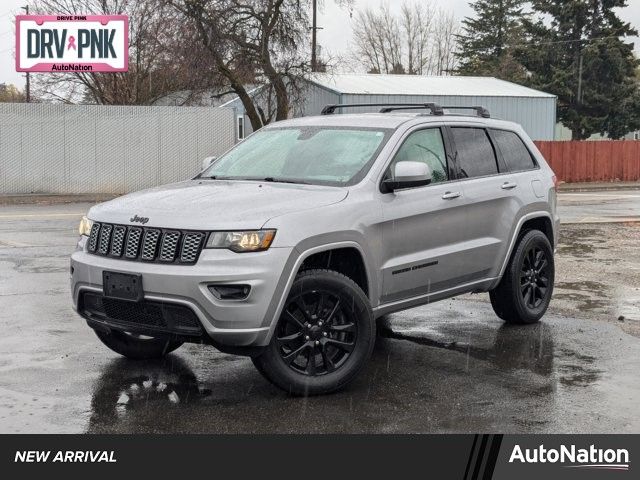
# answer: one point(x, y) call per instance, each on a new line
point(554, 179)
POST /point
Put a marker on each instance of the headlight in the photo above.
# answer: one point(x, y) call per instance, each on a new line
point(250, 241)
point(85, 226)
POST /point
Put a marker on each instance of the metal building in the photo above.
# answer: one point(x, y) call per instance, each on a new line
point(533, 109)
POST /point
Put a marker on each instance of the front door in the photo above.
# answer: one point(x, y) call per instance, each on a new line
point(421, 225)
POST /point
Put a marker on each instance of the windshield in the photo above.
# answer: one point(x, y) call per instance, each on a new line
point(315, 155)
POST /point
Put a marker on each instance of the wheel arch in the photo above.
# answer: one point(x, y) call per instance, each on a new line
point(298, 264)
point(542, 221)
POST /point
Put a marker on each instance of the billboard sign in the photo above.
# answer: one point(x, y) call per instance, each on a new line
point(72, 43)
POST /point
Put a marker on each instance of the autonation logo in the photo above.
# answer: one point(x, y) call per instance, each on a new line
point(573, 457)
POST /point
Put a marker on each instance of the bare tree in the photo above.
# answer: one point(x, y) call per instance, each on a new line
point(164, 57)
point(420, 40)
point(263, 39)
point(379, 40)
point(417, 22)
point(9, 93)
point(445, 32)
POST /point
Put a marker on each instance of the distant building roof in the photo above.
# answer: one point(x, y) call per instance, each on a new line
point(374, 84)
point(207, 98)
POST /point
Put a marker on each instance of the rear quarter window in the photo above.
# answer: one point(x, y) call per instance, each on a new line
point(514, 152)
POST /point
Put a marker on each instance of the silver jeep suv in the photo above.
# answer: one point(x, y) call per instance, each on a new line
point(292, 244)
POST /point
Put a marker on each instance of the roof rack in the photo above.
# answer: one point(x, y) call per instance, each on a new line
point(434, 108)
point(387, 107)
point(481, 111)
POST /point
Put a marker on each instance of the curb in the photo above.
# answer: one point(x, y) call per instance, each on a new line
point(598, 187)
point(54, 199)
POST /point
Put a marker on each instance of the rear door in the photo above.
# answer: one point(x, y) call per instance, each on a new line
point(490, 203)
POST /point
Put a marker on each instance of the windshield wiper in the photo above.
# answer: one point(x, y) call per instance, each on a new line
point(284, 180)
point(217, 177)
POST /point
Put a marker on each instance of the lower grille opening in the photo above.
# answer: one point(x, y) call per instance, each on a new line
point(151, 315)
point(230, 292)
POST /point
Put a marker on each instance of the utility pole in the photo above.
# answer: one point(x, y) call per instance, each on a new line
point(28, 86)
point(314, 38)
point(315, 65)
point(580, 79)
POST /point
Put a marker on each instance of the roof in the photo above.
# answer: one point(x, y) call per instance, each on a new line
point(374, 84)
point(383, 120)
point(207, 98)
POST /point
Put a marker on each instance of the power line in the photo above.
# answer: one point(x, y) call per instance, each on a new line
point(556, 42)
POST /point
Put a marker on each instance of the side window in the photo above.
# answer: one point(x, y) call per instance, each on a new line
point(515, 153)
point(476, 157)
point(424, 146)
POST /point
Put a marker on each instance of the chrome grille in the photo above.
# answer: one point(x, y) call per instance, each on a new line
point(169, 246)
point(93, 237)
point(105, 238)
point(145, 244)
point(133, 242)
point(117, 243)
point(150, 244)
point(191, 247)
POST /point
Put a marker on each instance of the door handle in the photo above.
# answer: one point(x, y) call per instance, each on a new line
point(508, 185)
point(451, 195)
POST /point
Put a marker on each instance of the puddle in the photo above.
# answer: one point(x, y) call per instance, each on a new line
point(579, 242)
point(126, 387)
point(585, 296)
point(576, 369)
point(513, 348)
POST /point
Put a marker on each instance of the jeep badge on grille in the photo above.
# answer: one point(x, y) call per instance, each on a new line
point(142, 220)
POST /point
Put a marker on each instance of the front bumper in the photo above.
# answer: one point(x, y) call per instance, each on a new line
point(239, 323)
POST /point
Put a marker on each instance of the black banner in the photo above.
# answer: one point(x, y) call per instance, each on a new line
point(465, 457)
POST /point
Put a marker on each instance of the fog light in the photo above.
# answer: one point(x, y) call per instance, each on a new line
point(230, 292)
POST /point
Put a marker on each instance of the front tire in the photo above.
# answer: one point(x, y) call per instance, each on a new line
point(136, 347)
point(324, 336)
point(524, 293)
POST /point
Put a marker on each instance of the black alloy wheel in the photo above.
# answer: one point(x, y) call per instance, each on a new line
point(323, 337)
point(318, 334)
point(525, 290)
point(534, 277)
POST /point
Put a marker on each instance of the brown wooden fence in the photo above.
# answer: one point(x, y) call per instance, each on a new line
point(596, 161)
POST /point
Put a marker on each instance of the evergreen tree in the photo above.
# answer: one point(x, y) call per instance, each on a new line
point(577, 51)
point(487, 42)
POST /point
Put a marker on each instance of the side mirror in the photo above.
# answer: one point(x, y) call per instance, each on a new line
point(408, 175)
point(206, 163)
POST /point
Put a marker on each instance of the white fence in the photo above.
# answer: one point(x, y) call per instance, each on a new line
point(67, 149)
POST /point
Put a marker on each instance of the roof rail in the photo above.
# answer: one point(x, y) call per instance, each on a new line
point(433, 107)
point(387, 107)
point(480, 111)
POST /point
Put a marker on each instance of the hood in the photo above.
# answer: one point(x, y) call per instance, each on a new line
point(214, 204)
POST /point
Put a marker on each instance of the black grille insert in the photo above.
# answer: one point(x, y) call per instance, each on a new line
point(150, 315)
point(146, 244)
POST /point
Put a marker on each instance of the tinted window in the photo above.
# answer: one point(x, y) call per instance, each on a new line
point(476, 157)
point(425, 146)
point(513, 151)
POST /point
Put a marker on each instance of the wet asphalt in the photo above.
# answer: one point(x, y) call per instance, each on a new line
point(448, 367)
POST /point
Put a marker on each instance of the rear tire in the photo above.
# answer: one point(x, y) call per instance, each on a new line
point(324, 337)
point(524, 293)
point(136, 348)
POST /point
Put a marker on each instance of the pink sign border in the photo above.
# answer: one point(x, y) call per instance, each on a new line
point(96, 66)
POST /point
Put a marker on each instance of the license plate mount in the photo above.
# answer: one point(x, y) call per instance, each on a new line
point(124, 286)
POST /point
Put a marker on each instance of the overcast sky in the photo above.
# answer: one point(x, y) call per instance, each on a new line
point(334, 38)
